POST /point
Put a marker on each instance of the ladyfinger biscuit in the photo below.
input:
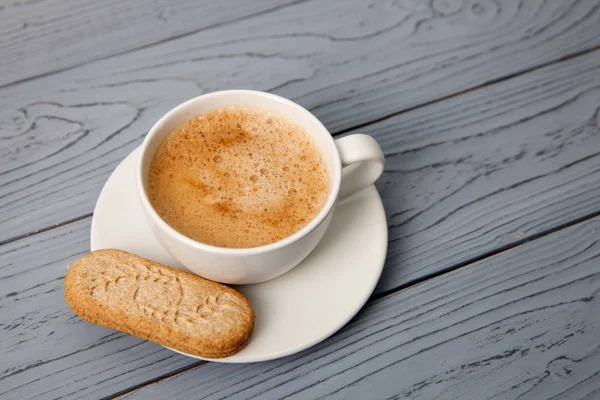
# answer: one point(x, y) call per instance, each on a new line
point(173, 308)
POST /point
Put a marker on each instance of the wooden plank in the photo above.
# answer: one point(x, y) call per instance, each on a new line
point(42, 37)
point(63, 134)
point(48, 351)
point(522, 324)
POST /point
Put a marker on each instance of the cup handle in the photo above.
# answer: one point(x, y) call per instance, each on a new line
point(362, 162)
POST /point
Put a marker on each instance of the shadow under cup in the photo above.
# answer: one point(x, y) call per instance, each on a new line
point(239, 265)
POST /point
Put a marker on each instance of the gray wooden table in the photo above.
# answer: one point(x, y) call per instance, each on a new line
point(488, 112)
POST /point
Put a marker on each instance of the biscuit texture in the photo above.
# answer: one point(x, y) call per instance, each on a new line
point(173, 308)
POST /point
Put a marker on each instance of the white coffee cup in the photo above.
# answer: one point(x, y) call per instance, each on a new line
point(354, 162)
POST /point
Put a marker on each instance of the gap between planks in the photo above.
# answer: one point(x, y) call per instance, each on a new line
point(342, 132)
point(46, 229)
point(390, 291)
point(471, 89)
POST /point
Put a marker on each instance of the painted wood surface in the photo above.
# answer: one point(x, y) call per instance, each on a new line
point(467, 176)
point(44, 37)
point(496, 136)
point(491, 168)
point(63, 133)
point(523, 324)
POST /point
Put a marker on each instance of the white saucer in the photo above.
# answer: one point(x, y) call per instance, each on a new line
point(293, 312)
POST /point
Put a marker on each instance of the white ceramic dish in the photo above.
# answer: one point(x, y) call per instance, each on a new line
point(294, 311)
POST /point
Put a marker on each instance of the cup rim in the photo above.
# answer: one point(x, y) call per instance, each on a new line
point(312, 225)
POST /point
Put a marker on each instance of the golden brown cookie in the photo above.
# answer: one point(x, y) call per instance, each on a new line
point(165, 305)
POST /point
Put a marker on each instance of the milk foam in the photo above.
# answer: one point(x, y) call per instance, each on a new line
point(238, 177)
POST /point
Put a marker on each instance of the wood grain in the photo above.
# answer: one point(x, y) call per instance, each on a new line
point(496, 166)
point(49, 352)
point(522, 324)
point(465, 176)
point(62, 134)
point(42, 37)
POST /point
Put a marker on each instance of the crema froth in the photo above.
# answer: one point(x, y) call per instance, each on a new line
point(238, 177)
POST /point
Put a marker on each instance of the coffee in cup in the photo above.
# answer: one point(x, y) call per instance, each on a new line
point(238, 177)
